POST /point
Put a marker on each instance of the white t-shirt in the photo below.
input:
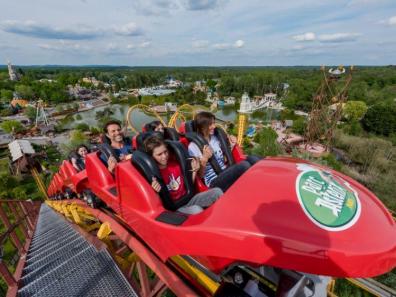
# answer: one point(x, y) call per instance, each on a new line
point(214, 144)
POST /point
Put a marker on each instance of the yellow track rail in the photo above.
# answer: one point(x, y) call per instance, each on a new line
point(180, 114)
point(204, 280)
point(241, 127)
point(39, 182)
point(146, 109)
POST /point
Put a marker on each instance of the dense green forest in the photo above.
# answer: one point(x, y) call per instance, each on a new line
point(373, 85)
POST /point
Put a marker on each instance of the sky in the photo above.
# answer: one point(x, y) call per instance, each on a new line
point(198, 32)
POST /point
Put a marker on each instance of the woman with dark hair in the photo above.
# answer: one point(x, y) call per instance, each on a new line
point(173, 179)
point(78, 158)
point(154, 126)
point(205, 123)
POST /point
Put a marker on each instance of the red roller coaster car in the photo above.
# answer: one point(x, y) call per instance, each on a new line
point(283, 212)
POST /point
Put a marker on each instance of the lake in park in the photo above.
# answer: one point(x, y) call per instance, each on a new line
point(139, 118)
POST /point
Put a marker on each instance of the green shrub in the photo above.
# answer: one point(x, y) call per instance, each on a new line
point(12, 126)
point(267, 144)
point(95, 130)
point(381, 119)
point(82, 127)
point(353, 128)
point(354, 110)
point(299, 126)
point(330, 161)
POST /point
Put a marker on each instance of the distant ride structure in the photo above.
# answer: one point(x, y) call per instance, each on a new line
point(327, 105)
point(12, 73)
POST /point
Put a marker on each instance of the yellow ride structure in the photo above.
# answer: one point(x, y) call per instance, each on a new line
point(144, 108)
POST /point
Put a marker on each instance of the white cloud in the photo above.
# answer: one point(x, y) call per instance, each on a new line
point(34, 29)
point(130, 29)
point(76, 32)
point(298, 47)
point(309, 36)
point(300, 50)
point(390, 22)
point(200, 43)
point(145, 44)
point(167, 4)
point(201, 4)
point(168, 7)
point(239, 43)
point(366, 2)
point(116, 49)
point(154, 7)
point(338, 37)
point(221, 46)
point(65, 46)
point(224, 46)
point(112, 46)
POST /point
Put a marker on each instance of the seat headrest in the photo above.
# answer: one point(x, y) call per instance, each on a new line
point(108, 151)
point(190, 126)
point(141, 137)
point(197, 139)
point(171, 134)
point(104, 139)
point(201, 142)
point(180, 153)
point(79, 162)
point(224, 144)
point(146, 165)
point(73, 155)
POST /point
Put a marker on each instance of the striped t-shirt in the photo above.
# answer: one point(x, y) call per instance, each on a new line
point(214, 144)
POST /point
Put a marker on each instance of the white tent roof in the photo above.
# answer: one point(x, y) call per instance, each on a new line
point(20, 147)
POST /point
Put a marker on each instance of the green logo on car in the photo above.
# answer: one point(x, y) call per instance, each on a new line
point(330, 202)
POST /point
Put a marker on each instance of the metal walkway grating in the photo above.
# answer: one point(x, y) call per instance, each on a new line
point(61, 262)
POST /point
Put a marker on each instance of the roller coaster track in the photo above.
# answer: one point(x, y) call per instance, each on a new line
point(146, 109)
point(179, 114)
point(137, 261)
point(241, 127)
point(39, 182)
point(373, 287)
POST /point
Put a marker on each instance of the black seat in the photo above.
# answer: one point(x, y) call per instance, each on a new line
point(141, 137)
point(169, 134)
point(189, 126)
point(192, 135)
point(201, 142)
point(147, 166)
point(106, 150)
point(104, 138)
point(79, 162)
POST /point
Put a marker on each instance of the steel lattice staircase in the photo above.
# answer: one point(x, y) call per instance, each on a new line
point(61, 262)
